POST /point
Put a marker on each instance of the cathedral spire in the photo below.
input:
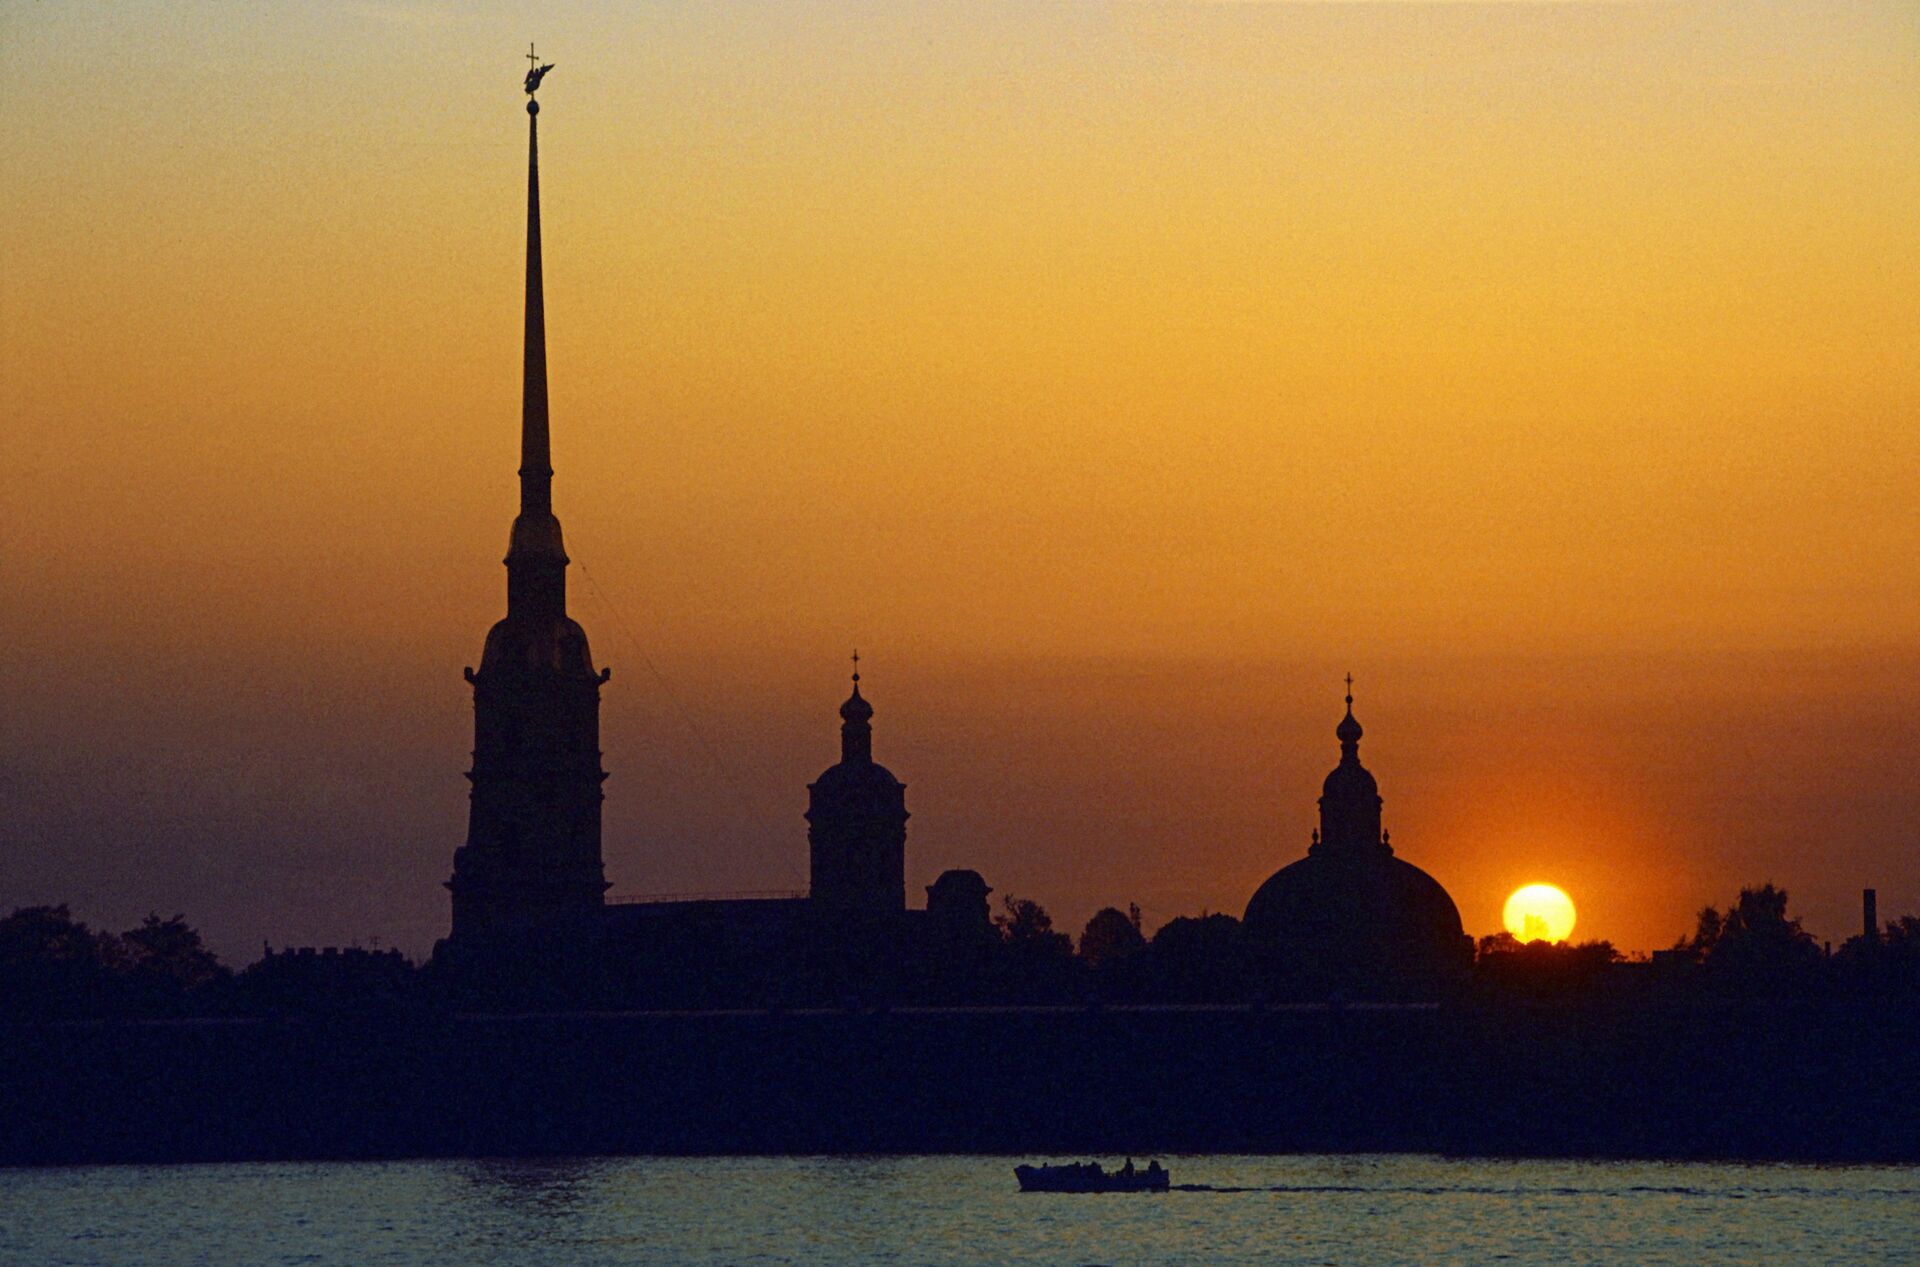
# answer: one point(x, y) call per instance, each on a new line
point(532, 856)
point(536, 463)
point(536, 556)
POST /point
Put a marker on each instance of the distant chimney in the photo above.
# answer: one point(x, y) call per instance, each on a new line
point(1870, 914)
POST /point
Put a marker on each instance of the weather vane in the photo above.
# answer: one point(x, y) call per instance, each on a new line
point(535, 71)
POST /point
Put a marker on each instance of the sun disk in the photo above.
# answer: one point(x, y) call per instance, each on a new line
point(1539, 912)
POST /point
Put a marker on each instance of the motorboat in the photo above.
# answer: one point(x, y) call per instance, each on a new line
point(1091, 1176)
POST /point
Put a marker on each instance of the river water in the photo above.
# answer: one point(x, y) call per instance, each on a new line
point(940, 1210)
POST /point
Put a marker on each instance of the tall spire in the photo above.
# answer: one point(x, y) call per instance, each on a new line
point(532, 856)
point(536, 556)
point(536, 462)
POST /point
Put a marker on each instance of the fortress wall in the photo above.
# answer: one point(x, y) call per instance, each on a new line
point(1752, 1080)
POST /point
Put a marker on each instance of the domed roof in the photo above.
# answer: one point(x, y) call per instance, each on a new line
point(856, 709)
point(858, 780)
point(960, 880)
point(1350, 915)
point(848, 776)
point(1350, 779)
point(1348, 731)
point(1355, 903)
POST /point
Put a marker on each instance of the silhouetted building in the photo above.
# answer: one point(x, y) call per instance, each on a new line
point(1351, 917)
point(532, 856)
point(857, 823)
point(310, 978)
point(958, 901)
point(529, 885)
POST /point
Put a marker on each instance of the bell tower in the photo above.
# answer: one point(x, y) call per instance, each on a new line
point(857, 822)
point(532, 855)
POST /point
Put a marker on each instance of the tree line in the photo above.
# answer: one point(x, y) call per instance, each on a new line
point(53, 966)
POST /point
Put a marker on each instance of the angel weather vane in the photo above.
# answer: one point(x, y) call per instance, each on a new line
point(535, 71)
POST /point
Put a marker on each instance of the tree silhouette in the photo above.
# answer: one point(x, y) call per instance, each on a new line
point(1110, 936)
point(52, 964)
point(169, 953)
point(1500, 943)
point(1888, 962)
point(1754, 944)
point(1027, 930)
point(1200, 959)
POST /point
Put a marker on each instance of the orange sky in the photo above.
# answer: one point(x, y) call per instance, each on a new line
point(1115, 376)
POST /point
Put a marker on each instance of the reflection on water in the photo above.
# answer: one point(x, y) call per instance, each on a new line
point(937, 1210)
point(539, 1187)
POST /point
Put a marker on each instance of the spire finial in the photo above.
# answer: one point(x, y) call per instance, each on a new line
point(856, 733)
point(1348, 730)
point(535, 73)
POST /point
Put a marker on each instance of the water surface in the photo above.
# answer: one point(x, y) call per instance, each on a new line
point(955, 1210)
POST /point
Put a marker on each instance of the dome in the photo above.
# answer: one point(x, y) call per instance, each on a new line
point(1348, 731)
point(857, 783)
point(856, 709)
point(850, 777)
point(1341, 899)
point(1350, 916)
point(1358, 920)
point(1350, 780)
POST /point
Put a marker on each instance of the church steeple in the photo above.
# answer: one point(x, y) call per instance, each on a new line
point(857, 821)
point(532, 855)
point(536, 556)
point(536, 461)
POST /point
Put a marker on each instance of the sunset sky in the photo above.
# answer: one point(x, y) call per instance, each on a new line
point(1114, 376)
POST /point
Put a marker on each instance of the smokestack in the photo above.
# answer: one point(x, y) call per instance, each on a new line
point(1870, 913)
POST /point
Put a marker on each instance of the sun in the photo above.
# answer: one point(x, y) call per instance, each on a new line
point(1539, 912)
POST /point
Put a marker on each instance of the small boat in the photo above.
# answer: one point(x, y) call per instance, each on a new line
point(1084, 1176)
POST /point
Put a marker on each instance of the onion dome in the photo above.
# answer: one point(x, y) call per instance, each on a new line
point(1348, 731)
point(856, 709)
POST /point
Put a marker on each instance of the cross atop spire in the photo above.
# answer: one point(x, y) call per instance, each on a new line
point(856, 666)
point(1349, 690)
point(535, 73)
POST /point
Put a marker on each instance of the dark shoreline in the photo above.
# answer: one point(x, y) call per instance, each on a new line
point(1830, 1082)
